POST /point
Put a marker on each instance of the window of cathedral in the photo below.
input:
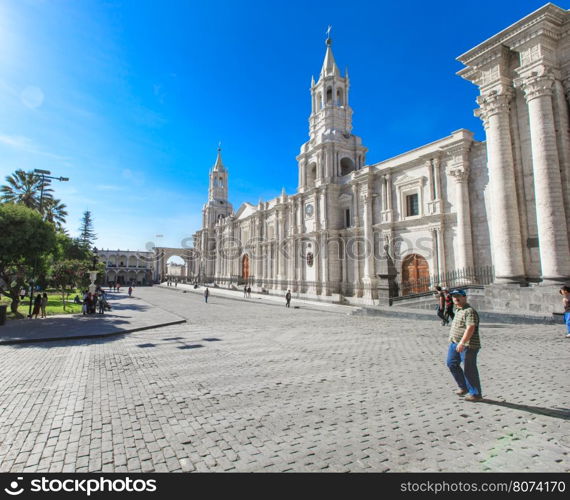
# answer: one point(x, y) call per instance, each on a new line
point(346, 166)
point(412, 205)
point(347, 221)
point(329, 96)
point(310, 259)
point(339, 97)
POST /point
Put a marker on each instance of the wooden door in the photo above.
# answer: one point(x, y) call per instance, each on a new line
point(245, 267)
point(415, 275)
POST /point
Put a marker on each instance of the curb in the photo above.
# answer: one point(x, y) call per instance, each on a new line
point(93, 336)
point(304, 305)
point(424, 314)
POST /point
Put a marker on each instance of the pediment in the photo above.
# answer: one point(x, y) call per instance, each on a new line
point(245, 210)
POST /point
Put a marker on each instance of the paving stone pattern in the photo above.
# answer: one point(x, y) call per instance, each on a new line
point(245, 386)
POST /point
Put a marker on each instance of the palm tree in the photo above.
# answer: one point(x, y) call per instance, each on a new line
point(25, 188)
point(54, 211)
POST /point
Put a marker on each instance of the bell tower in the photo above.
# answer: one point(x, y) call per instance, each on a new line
point(332, 151)
point(218, 205)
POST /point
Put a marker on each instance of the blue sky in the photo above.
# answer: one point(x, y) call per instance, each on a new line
point(130, 98)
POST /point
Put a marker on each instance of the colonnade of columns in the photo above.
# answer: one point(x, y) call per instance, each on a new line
point(551, 214)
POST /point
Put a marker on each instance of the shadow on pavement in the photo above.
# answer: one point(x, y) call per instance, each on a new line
point(561, 413)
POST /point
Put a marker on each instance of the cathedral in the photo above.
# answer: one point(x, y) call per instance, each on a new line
point(355, 232)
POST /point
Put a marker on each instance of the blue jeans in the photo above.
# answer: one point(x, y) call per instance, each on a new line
point(468, 378)
point(567, 321)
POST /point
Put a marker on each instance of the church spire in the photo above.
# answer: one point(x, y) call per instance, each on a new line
point(219, 164)
point(329, 64)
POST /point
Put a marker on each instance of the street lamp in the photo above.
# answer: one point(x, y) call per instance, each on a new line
point(44, 174)
point(93, 272)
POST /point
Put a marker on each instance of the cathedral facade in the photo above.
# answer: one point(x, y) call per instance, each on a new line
point(455, 205)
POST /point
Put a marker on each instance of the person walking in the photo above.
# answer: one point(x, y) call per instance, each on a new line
point(85, 303)
point(44, 304)
point(464, 345)
point(130, 291)
point(22, 294)
point(448, 305)
point(102, 304)
point(249, 292)
point(37, 306)
point(565, 292)
point(206, 294)
point(245, 292)
point(288, 298)
point(440, 309)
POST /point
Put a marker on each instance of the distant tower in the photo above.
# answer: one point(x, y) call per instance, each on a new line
point(332, 150)
point(218, 205)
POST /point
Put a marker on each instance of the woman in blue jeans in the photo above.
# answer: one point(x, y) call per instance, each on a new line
point(565, 292)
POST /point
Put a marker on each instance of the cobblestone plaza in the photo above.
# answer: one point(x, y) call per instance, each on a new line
point(246, 386)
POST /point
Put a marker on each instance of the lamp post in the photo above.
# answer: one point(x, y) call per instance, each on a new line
point(44, 174)
point(93, 272)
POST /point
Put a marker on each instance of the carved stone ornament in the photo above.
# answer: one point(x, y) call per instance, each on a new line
point(537, 86)
point(461, 174)
point(493, 104)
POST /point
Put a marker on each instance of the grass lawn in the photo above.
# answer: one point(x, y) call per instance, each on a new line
point(54, 306)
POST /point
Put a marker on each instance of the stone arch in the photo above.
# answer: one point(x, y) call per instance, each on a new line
point(111, 276)
point(339, 99)
point(311, 174)
point(415, 274)
point(329, 96)
point(346, 166)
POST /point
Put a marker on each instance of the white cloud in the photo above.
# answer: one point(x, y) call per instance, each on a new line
point(108, 187)
point(27, 145)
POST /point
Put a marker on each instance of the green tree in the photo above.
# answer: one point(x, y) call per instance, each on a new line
point(54, 211)
point(25, 188)
point(25, 239)
point(87, 235)
point(67, 275)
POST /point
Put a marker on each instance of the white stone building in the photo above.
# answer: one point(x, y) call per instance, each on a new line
point(127, 267)
point(455, 204)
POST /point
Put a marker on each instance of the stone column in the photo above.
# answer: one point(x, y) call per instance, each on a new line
point(258, 267)
point(356, 262)
point(431, 180)
point(561, 108)
point(388, 191)
point(369, 272)
point(505, 219)
point(437, 176)
point(550, 213)
point(355, 217)
point(277, 254)
point(464, 256)
point(343, 263)
point(325, 289)
point(435, 250)
point(281, 249)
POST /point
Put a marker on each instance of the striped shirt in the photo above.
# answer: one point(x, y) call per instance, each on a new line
point(464, 317)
